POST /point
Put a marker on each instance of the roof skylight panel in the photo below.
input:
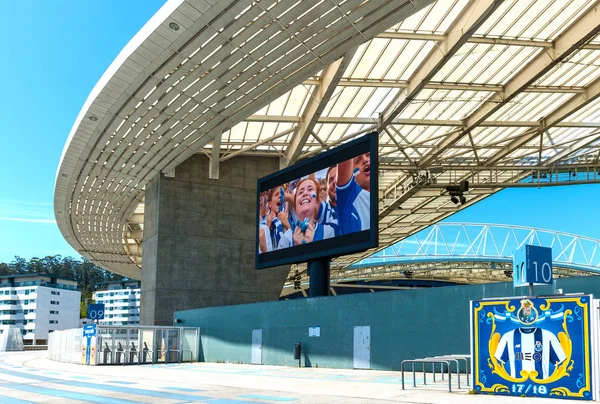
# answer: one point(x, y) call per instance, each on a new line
point(412, 56)
point(276, 107)
point(299, 97)
point(452, 11)
point(325, 131)
point(381, 65)
point(563, 18)
point(565, 74)
point(376, 98)
point(356, 59)
point(267, 129)
point(338, 104)
point(588, 114)
point(563, 137)
point(412, 23)
point(512, 19)
point(358, 102)
point(371, 58)
point(511, 65)
point(429, 133)
point(498, 22)
point(547, 21)
point(478, 69)
point(527, 17)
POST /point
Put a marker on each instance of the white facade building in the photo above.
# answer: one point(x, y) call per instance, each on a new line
point(121, 301)
point(38, 304)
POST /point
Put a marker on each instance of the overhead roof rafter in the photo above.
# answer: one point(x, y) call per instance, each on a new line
point(573, 38)
point(319, 97)
point(471, 18)
point(592, 92)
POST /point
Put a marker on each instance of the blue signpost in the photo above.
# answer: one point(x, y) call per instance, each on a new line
point(88, 354)
point(532, 265)
point(95, 311)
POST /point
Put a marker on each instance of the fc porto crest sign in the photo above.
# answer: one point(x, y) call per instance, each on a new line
point(538, 347)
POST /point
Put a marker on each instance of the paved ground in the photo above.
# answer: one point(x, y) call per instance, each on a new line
point(29, 377)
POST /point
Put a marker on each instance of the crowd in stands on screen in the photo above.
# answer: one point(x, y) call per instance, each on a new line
point(328, 214)
point(311, 209)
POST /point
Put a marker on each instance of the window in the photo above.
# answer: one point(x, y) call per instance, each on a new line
point(53, 321)
point(54, 302)
point(53, 311)
point(27, 292)
point(55, 293)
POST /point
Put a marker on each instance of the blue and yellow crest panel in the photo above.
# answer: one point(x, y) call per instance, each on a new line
point(539, 347)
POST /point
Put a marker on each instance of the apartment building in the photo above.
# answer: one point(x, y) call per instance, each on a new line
point(38, 304)
point(121, 301)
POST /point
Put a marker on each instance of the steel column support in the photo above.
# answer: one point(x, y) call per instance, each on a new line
point(213, 173)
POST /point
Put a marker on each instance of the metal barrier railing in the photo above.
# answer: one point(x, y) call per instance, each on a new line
point(441, 360)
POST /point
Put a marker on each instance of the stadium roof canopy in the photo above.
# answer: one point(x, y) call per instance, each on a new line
point(501, 93)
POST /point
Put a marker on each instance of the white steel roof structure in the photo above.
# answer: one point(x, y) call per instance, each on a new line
point(460, 253)
point(500, 93)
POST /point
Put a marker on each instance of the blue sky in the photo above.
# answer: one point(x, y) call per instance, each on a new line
point(54, 52)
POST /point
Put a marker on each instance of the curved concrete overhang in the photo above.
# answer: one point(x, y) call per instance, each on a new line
point(458, 90)
point(196, 69)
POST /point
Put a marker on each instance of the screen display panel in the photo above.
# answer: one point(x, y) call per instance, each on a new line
point(322, 207)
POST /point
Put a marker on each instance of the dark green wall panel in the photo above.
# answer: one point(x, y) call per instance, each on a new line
point(404, 324)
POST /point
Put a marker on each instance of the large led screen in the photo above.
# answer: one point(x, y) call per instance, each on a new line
point(322, 207)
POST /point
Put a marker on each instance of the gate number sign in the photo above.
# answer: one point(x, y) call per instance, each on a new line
point(95, 311)
point(532, 265)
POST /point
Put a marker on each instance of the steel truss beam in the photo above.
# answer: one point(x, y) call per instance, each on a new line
point(373, 83)
point(464, 26)
point(319, 97)
point(573, 38)
point(592, 92)
point(414, 122)
point(410, 36)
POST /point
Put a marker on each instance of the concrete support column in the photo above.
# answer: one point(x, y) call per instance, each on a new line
point(199, 240)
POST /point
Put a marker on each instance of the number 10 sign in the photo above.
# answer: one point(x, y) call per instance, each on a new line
point(532, 265)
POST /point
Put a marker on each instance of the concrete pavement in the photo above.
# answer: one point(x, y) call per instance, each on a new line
point(29, 377)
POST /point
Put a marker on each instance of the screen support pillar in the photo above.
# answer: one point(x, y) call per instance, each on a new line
point(318, 272)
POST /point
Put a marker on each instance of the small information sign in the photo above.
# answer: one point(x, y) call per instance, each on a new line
point(532, 265)
point(95, 311)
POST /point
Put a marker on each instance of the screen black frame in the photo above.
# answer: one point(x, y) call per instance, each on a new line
point(335, 246)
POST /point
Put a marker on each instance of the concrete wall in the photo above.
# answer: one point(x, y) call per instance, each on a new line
point(404, 324)
point(199, 240)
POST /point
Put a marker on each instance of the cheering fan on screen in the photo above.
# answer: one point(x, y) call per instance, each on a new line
point(305, 229)
point(353, 194)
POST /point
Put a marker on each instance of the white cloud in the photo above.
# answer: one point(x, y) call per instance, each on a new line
point(26, 212)
point(23, 219)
